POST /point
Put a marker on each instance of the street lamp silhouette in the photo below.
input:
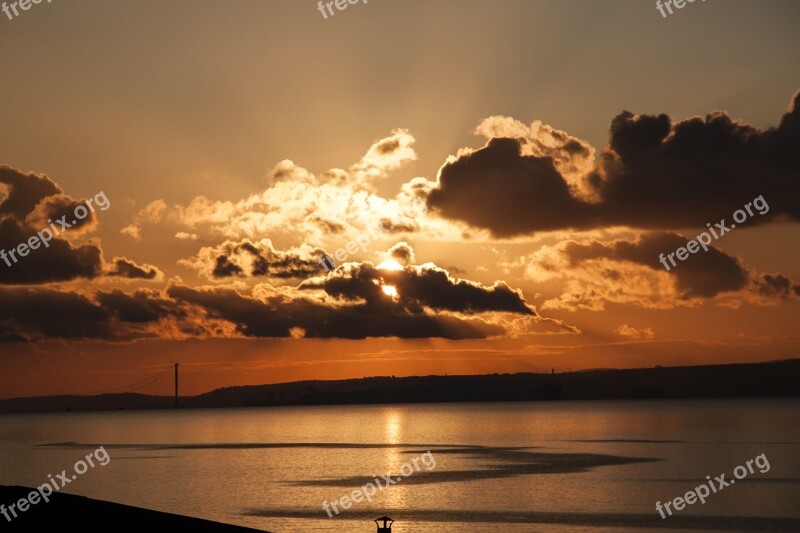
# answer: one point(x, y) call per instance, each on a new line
point(387, 524)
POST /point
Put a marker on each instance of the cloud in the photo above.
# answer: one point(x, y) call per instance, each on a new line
point(572, 157)
point(24, 191)
point(277, 317)
point(133, 231)
point(705, 274)
point(256, 259)
point(59, 261)
point(627, 331)
point(295, 207)
point(776, 286)
point(36, 314)
point(125, 268)
point(384, 156)
point(54, 208)
point(350, 302)
point(140, 306)
point(654, 174)
point(347, 303)
point(35, 200)
point(500, 189)
point(418, 288)
point(627, 271)
point(324, 210)
point(31, 202)
point(402, 253)
point(152, 213)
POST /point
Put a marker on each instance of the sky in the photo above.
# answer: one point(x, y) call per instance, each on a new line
point(498, 187)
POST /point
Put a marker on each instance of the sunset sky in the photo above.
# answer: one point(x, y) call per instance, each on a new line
point(532, 160)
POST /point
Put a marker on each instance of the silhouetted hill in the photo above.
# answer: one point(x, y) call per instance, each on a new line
point(773, 379)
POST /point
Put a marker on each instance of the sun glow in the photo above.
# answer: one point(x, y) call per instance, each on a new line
point(390, 264)
point(388, 290)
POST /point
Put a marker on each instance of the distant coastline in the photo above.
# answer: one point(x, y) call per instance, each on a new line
point(777, 379)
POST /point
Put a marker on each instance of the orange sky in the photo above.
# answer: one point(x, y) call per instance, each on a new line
point(526, 210)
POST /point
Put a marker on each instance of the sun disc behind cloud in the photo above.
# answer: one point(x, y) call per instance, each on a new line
point(390, 264)
point(388, 290)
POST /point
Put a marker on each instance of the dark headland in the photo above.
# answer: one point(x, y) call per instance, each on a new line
point(777, 379)
point(76, 513)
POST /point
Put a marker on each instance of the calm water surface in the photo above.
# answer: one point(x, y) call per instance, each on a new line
point(511, 467)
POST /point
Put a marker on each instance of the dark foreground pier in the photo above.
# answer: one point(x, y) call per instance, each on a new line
point(85, 515)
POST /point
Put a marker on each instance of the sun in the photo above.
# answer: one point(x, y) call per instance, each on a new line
point(390, 264)
point(388, 290)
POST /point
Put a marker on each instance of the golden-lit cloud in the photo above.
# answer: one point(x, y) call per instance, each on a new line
point(642, 333)
point(150, 214)
point(324, 211)
point(384, 156)
point(627, 271)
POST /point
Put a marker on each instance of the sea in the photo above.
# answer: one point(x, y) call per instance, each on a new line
point(590, 466)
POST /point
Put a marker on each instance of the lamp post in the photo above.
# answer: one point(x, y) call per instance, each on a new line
point(387, 524)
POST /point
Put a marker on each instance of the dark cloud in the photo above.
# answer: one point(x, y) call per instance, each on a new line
point(654, 174)
point(330, 227)
point(34, 314)
point(140, 306)
point(24, 191)
point(704, 274)
point(395, 226)
point(125, 268)
point(402, 253)
point(349, 303)
point(777, 286)
point(59, 261)
point(223, 268)
point(500, 189)
point(387, 146)
point(9, 334)
point(35, 200)
point(30, 203)
point(426, 302)
point(257, 259)
point(59, 207)
point(37, 314)
point(278, 317)
point(421, 287)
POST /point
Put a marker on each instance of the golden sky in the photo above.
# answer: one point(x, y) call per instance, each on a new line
point(495, 183)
